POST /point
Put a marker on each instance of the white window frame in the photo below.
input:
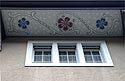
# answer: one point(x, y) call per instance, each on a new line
point(79, 50)
point(67, 56)
point(92, 55)
point(42, 57)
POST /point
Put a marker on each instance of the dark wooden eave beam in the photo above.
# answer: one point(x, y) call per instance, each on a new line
point(64, 4)
point(3, 35)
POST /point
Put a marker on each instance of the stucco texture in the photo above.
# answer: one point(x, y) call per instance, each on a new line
point(51, 22)
point(13, 69)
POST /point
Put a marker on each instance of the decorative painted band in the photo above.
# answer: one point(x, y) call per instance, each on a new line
point(62, 22)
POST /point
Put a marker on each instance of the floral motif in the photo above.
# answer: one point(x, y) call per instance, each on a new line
point(23, 23)
point(101, 23)
point(64, 23)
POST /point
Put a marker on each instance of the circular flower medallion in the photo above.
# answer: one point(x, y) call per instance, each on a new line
point(23, 23)
point(101, 23)
point(64, 24)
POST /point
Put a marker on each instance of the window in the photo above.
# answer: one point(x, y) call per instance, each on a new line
point(67, 53)
point(42, 54)
point(92, 54)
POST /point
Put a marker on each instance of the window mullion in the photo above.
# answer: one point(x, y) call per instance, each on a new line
point(42, 55)
point(101, 57)
point(80, 53)
point(67, 56)
point(92, 57)
point(55, 53)
point(33, 55)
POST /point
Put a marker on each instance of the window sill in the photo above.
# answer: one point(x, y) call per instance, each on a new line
point(71, 64)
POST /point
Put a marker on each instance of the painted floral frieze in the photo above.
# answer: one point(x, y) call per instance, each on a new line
point(101, 23)
point(23, 23)
point(64, 23)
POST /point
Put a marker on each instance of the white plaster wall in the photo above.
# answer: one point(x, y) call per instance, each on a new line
point(13, 58)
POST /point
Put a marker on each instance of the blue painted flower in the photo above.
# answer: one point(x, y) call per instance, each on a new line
point(101, 23)
point(23, 23)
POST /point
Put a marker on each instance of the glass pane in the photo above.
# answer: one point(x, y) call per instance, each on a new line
point(38, 58)
point(63, 58)
point(35, 58)
point(87, 53)
point(46, 58)
point(97, 59)
point(88, 59)
point(72, 58)
point(95, 53)
point(71, 52)
point(62, 52)
point(47, 52)
point(38, 52)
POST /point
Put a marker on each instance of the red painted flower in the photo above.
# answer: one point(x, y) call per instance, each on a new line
point(64, 23)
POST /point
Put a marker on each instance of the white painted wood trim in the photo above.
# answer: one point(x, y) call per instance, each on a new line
point(79, 49)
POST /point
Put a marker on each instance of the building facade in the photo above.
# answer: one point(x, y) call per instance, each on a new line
point(62, 40)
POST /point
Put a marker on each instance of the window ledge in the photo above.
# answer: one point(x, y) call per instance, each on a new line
point(71, 64)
